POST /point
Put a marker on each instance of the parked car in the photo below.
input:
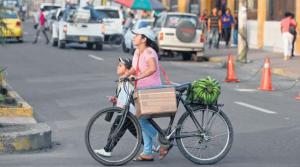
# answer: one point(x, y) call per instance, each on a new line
point(13, 25)
point(77, 27)
point(128, 37)
point(112, 18)
point(179, 33)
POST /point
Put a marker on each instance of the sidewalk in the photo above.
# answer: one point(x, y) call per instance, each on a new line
point(290, 68)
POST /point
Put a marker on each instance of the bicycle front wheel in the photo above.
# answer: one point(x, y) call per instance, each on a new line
point(209, 146)
point(109, 143)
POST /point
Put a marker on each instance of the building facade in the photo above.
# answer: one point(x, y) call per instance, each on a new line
point(263, 18)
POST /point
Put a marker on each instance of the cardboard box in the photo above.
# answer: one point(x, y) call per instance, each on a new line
point(158, 102)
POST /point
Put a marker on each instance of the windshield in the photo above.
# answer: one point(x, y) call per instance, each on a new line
point(108, 14)
point(47, 8)
point(142, 24)
point(9, 15)
point(174, 20)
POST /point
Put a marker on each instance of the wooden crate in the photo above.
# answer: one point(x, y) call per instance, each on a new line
point(159, 102)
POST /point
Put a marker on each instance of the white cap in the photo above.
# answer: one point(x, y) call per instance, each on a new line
point(147, 32)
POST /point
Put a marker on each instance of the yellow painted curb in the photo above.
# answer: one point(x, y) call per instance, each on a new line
point(22, 143)
point(216, 59)
point(278, 71)
point(23, 110)
point(26, 137)
point(1, 147)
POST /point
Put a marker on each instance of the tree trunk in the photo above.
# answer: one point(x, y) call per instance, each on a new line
point(243, 43)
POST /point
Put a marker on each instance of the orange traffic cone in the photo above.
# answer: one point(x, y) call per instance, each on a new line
point(230, 71)
point(266, 79)
point(298, 97)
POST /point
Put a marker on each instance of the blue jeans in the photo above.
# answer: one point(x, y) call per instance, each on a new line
point(235, 36)
point(214, 37)
point(149, 135)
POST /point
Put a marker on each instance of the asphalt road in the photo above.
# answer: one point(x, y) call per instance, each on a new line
point(66, 87)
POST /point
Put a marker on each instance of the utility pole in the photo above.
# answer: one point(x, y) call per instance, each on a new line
point(242, 40)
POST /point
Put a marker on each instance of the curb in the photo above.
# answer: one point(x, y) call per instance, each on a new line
point(22, 114)
point(278, 71)
point(19, 131)
point(216, 59)
point(24, 138)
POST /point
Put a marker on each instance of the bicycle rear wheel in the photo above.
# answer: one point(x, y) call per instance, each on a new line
point(207, 147)
point(101, 133)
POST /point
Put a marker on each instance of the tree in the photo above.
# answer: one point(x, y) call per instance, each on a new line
point(243, 43)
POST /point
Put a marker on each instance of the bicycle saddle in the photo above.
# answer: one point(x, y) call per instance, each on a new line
point(183, 87)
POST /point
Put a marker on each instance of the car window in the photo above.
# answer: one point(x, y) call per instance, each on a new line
point(47, 8)
point(173, 20)
point(158, 22)
point(9, 15)
point(144, 24)
point(108, 14)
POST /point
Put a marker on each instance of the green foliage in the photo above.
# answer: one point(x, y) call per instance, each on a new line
point(205, 90)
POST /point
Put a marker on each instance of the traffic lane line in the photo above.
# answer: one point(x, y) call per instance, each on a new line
point(255, 107)
point(96, 58)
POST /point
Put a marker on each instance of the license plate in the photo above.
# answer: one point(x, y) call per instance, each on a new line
point(82, 38)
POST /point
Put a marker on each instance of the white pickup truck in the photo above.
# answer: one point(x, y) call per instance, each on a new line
point(72, 27)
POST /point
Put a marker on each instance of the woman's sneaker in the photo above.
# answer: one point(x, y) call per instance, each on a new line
point(103, 153)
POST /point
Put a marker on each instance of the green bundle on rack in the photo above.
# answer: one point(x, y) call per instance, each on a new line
point(205, 90)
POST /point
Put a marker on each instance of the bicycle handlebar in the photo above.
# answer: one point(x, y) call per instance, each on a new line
point(127, 79)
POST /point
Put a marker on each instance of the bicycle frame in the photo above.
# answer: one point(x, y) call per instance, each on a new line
point(168, 133)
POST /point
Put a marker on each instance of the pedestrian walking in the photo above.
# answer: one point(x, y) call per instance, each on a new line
point(120, 100)
point(286, 23)
point(236, 28)
point(228, 23)
point(203, 18)
point(221, 34)
point(293, 31)
point(214, 28)
point(145, 67)
point(41, 27)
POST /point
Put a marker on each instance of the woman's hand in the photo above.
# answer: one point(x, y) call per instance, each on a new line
point(112, 99)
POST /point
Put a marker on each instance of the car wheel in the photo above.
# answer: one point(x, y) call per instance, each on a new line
point(19, 39)
point(61, 44)
point(54, 42)
point(90, 45)
point(125, 50)
point(99, 46)
point(186, 56)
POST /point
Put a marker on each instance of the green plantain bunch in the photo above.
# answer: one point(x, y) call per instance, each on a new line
point(205, 90)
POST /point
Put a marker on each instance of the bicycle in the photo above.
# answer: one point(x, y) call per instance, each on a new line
point(197, 131)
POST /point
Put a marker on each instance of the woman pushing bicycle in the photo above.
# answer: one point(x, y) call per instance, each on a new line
point(203, 132)
point(145, 67)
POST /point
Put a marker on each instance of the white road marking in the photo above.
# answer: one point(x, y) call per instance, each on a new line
point(246, 90)
point(255, 107)
point(96, 58)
